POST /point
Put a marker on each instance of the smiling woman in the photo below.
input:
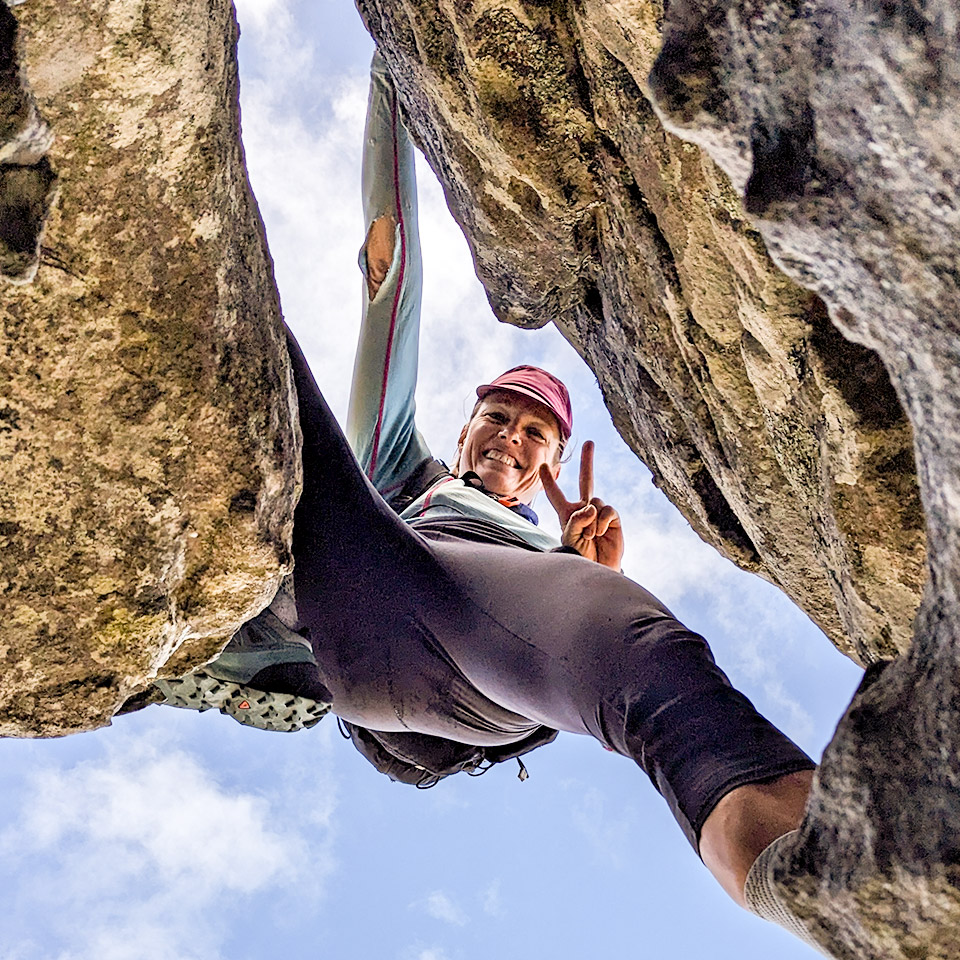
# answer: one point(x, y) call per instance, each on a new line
point(438, 613)
point(428, 607)
point(506, 439)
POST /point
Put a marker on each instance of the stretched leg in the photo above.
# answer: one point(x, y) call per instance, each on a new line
point(581, 648)
point(480, 644)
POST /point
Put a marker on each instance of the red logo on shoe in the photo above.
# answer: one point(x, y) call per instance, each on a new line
point(243, 705)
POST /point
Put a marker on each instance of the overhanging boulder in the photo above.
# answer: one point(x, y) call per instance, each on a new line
point(839, 126)
point(148, 450)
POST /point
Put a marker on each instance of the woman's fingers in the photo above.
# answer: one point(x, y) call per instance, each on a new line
point(607, 516)
point(584, 521)
point(586, 471)
point(580, 526)
point(554, 494)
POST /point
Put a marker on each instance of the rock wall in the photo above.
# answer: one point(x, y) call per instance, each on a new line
point(782, 442)
point(148, 451)
point(838, 124)
point(27, 183)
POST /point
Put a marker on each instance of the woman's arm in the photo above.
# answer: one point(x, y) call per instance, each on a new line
point(380, 421)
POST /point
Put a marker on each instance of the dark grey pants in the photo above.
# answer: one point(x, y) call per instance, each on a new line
point(482, 643)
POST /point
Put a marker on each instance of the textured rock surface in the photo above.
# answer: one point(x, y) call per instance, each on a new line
point(839, 125)
point(148, 457)
point(147, 453)
point(782, 443)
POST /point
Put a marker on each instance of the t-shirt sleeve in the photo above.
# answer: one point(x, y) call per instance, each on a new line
point(380, 421)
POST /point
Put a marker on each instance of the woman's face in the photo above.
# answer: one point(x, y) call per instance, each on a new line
point(505, 442)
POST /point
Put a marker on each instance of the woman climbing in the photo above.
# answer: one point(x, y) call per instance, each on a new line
point(432, 613)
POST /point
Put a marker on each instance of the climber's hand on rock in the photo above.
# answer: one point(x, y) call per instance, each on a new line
point(590, 526)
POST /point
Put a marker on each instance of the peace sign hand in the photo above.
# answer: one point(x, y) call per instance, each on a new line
point(589, 525)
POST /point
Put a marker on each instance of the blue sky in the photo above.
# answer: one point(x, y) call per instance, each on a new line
point(174, 835)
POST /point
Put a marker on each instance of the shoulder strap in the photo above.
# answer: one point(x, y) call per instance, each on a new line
point(421, 480)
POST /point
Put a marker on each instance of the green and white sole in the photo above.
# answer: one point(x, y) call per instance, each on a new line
point(285, 712)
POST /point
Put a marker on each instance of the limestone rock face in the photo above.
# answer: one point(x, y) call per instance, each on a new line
point(782, 443)
point(148, 450)
point(838, 124)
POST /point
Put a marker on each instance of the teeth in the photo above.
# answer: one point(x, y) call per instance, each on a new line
point(501, 457)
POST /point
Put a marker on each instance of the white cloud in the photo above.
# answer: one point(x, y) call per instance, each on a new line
point(419, 951)
point(608, 834)
point(441, 906)
point(432, 953)
point(26, 950)
point(147, 848)
point(766, 628)
point(492, 900)
point(259, 12)
point(306, 178)
point(303, 132)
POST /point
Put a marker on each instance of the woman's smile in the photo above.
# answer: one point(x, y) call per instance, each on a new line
point(501, 458)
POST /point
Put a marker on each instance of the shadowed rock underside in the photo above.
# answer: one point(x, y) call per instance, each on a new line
point(838, 124)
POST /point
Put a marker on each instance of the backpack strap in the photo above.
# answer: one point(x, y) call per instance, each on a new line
point(421, 480)
point(415, 758)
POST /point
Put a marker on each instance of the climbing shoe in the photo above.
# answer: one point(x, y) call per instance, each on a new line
point(267, 710)
point(265, 677)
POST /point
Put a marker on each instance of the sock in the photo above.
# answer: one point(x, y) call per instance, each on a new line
point(763, 898)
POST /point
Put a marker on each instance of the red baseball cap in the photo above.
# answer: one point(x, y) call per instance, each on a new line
point(540, 386)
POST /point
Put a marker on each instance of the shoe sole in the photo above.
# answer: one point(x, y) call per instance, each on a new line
point(284, 712)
